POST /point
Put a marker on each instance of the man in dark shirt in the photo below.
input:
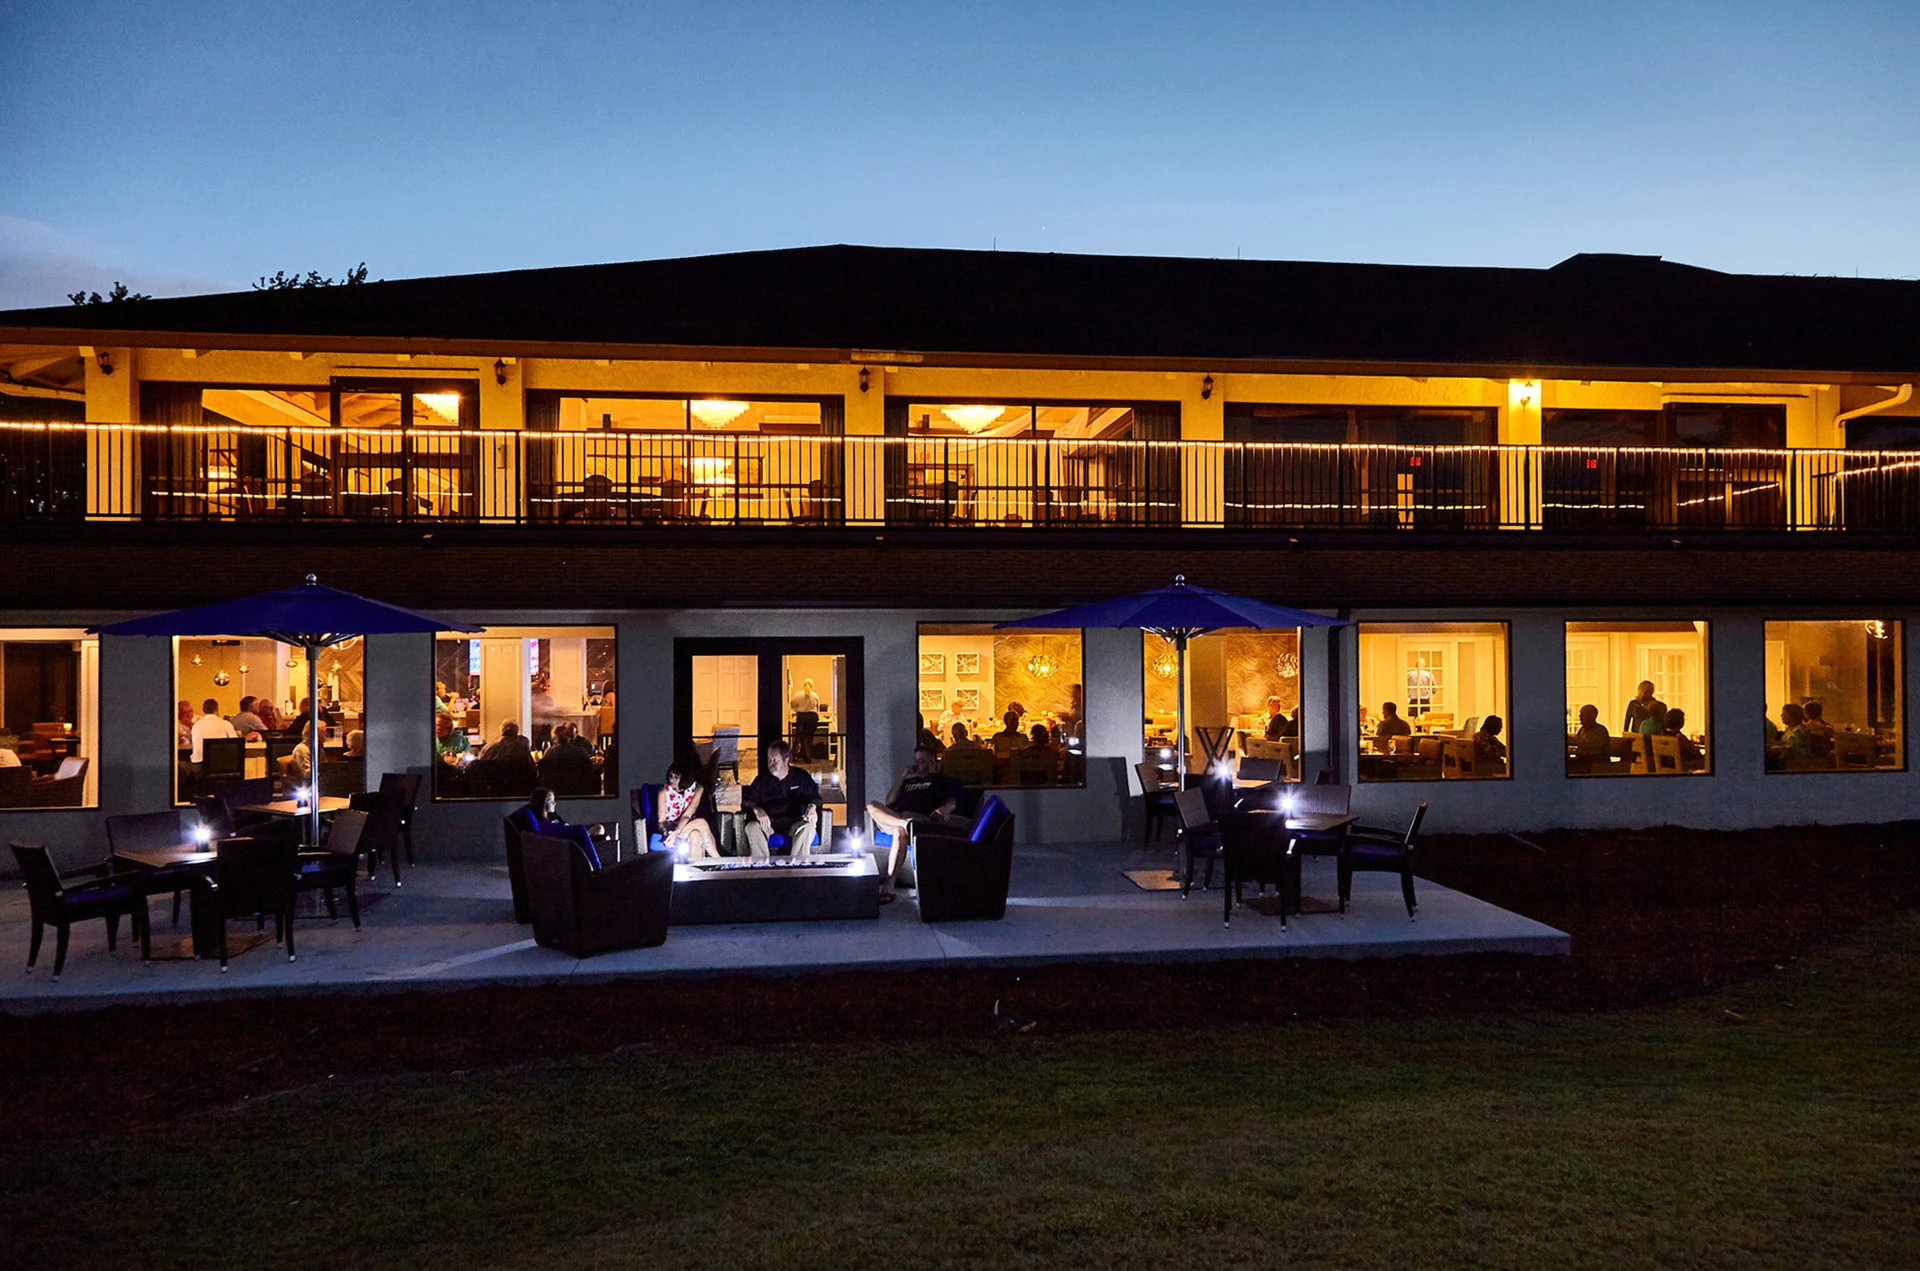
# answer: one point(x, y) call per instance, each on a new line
point(781, 800)
point(923, 794)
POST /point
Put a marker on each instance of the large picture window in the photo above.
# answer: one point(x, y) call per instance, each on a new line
point(241, 712)
point(699, 459)
point(520, 707)
point(1433, 701)
point(1021, 463)
point(1637, 699)
point(49, 713)
point(1834, 694)
point(1004, 708)
point(1243, 698)
point(358, 449)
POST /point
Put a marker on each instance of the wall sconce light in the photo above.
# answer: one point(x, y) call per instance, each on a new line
point(499, 372)
point(103, 362)
point(1206, 388)
point(865, 376)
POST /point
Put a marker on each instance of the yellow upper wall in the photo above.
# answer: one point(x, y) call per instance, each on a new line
point(114, 398)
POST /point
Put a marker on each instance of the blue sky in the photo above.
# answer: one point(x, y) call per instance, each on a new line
point(193, 146)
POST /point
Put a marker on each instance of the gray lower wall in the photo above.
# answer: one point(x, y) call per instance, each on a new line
point(137, 743)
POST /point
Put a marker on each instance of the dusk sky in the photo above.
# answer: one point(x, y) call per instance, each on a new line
point(194, 146)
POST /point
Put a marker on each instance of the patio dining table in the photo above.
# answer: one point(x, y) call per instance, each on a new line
point(329, 804)
point(1258, 845)
point(206, 939)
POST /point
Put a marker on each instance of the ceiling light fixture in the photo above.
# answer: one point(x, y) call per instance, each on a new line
point(973, 419)
point(718, 414)
point(1042, 665)
point(1288, 664)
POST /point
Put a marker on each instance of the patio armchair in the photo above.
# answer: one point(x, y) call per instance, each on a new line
point(52, 902)
point(1371, 849)
point(382, 831)
point(1199, 836)
point(337, 866)
point(250, 878)
point(961, 873)
point(585, 910)
point(1156, 802)
point(405, 789)
point(519, 823)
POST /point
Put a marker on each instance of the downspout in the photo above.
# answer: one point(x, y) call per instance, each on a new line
point(1901, 396)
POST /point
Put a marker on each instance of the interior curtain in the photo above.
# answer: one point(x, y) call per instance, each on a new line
point(894, 424)
point(171, 464)
point(543, 416)
point(1160, 421)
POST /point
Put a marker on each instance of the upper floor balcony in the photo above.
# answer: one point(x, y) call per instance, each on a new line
point(67, 473)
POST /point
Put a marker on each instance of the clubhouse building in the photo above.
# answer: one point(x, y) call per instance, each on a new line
point(702, 505)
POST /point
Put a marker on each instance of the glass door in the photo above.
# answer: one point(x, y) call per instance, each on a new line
point(735, 697)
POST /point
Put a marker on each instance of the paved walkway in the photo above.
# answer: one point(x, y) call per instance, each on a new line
point(451, 926)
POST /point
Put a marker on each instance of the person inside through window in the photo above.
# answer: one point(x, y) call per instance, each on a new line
point(1487, 747)
point(1591, 740)
point(1644, 707)
point(1391, 726)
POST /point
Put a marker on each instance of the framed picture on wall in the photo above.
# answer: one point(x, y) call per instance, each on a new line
point(933, 666)
point(932, 699)
point(966, 699)
point(966, 664)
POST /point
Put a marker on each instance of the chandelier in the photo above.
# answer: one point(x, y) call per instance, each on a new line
point(718, 414)
point(1042, 665)
point(1288, 664)
point(221, 677)
point(973, 418)
point(1165, 664)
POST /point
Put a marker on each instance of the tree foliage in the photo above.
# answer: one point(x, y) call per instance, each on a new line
point(284, 281)
point(113, 297)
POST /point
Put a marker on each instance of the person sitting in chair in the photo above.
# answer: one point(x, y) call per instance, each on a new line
point(1391, 726)
point(963, 741)
point(1691, 760)
point(784, 800)
point(449, 743)
point(1487, 747)
point(1009, 738)
point(1591, 739)
point(677, 809)
point(510, 746)
point(542, 816)
point(922, 795)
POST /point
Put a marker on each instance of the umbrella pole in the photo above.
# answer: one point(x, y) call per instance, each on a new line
point(314, 747)
point(1180, 712)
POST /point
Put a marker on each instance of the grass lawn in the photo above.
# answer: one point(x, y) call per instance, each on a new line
point(1657, 1137)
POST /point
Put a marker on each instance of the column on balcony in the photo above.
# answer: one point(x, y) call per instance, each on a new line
point(865, 450)
point(1203, 474)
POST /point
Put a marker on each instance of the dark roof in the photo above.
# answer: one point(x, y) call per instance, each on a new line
point(1590, 310)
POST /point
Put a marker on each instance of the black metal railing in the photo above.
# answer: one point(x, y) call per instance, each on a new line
point(68, 472)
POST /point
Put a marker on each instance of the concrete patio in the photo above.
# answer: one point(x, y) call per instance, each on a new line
point(451, 927)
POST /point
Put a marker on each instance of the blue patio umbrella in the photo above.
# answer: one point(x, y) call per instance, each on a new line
point(311, 616)
point(1178, 613)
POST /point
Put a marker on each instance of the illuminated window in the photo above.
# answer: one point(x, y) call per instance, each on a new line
point(49, 713)
point(239, 704)
point(1637, 699)
point(1433, 701)
point(538, 711)
point(1834, 696)
point(1007, 708)
point(1243, 699)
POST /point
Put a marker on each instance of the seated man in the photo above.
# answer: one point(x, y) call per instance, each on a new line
point(1009, 738)
point(449, 743)
point(567, 766)
point(922, 795)
point(510, 746)
point(248, 723)
point(963, 741)
point(1590, 740)
point(1795, 741)
point(1488, 749)
point(1818, 728)
point(783, 799)
point(1391, 726)
point(1691, 760)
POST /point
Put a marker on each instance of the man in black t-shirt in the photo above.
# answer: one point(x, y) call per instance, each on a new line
point(781, 800)
point(923, 794)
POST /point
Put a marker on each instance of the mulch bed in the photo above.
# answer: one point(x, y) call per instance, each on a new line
point(1655, 915)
